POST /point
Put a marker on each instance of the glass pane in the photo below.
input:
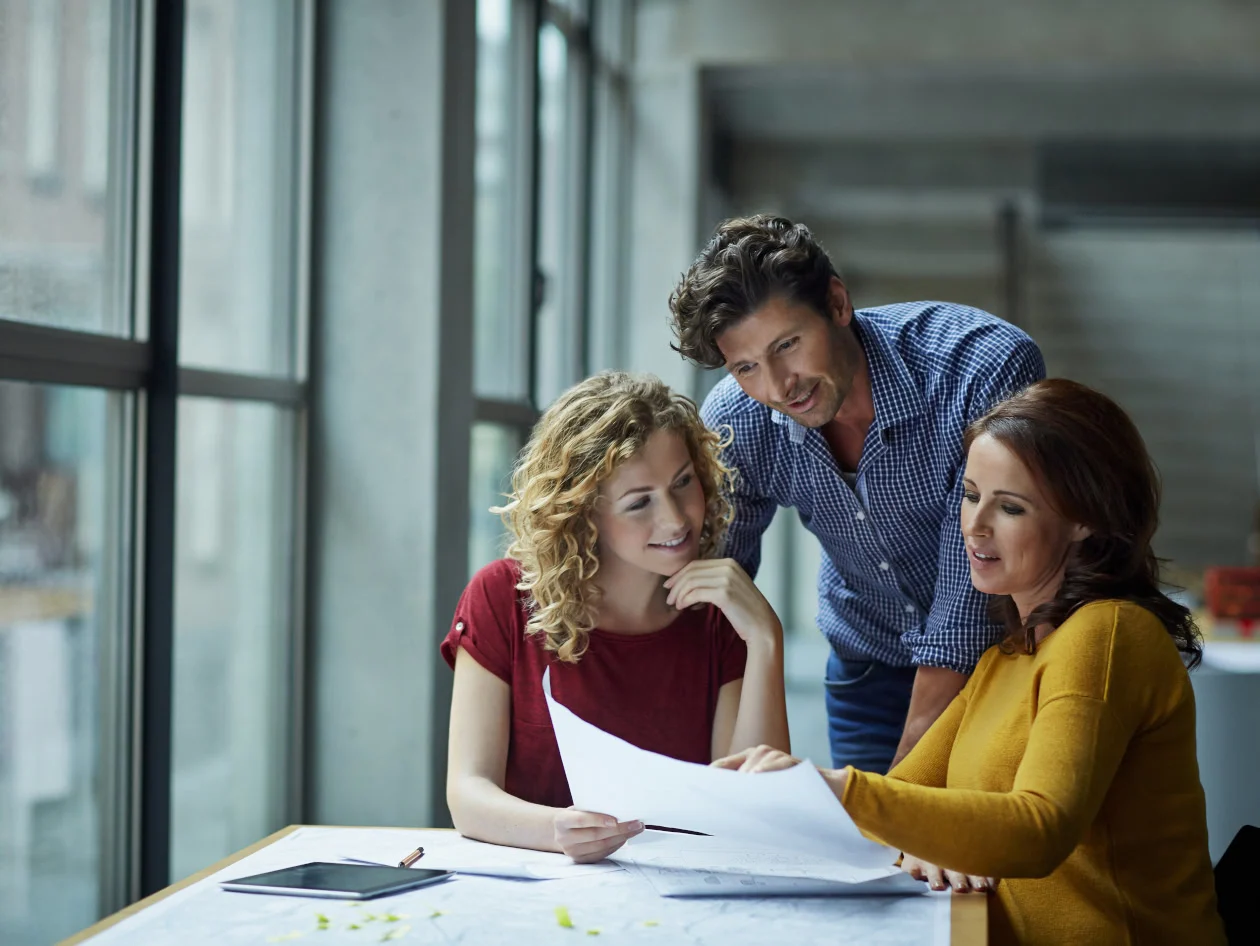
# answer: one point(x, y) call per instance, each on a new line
point(61, 195)
point(500, 350)
point(494, 450)
point(53, 629)
point(238, 173)
point(557, 335)
point(232, 630)
point(579, 10)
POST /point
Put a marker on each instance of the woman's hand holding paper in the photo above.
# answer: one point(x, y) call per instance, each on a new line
point(588, 836)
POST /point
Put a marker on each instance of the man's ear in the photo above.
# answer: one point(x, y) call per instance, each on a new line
point(840, 307)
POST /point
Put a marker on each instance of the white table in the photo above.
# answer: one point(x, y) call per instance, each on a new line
point(1227, 703)
point(482, 910)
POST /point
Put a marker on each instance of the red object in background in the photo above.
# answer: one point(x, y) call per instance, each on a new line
point(1232, 593)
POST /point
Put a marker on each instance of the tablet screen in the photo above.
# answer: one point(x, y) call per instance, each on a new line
point(323, 879)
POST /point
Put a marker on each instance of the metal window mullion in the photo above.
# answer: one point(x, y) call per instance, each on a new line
point(304, 101)
point(505, 413)
point(304, 104)
point(49, 355)
point(526, 143)
point(118, 874)
point(234, 386)
point(581, 152)
point(159, 458)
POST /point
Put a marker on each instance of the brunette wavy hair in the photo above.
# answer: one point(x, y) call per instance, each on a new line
point(749, 261)
point(1093, 466)
point(579, 442)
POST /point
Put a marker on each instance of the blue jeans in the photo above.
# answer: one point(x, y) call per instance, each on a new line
point(867, 704)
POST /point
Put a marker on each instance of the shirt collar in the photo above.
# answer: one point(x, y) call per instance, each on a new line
point(896, 396)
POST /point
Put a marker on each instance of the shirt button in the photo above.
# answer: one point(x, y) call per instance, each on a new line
point(859, 515)
point(884, 566)
point(910, 609)
point(459, 625)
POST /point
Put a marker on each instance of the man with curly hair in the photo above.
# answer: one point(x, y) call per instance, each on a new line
point(855, 419)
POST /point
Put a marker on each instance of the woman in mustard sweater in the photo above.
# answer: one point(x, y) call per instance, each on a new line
point(1066, 767)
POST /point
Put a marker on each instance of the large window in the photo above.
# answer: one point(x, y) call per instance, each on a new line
point(152, 415)
point(59, 556)
point(534, 325)
point(239, 166)
point(232, 699)
point(242, 152)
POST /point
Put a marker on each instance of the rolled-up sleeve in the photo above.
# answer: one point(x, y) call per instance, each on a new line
point(753, 511)
point(958, 628)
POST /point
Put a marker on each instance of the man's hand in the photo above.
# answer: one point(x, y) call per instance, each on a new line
point(934, 687)
point(939, 879)
point(587, 836)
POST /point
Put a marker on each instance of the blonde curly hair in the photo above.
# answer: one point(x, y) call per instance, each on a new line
point(579, 442)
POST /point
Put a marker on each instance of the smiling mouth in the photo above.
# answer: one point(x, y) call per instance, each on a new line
point(804, 399)
point(985, 558)
point(673, 543)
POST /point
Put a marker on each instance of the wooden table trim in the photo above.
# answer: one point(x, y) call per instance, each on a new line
point(969, 919)
point(165, 892)
point(968, 912)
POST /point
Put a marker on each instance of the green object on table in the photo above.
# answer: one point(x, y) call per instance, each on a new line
point(562, 917)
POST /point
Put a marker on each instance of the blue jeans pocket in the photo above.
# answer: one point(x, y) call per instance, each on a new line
point(847, 674)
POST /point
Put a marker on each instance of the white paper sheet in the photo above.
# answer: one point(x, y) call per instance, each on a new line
point(446, 850)
point(792, 810)
point(683, 866)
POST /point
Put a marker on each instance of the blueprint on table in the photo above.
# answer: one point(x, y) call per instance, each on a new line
point(491, 911)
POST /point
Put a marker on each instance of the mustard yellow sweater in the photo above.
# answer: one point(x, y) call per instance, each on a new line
point(1070, 775)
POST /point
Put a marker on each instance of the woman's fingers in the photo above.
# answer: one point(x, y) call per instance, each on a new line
point(935, 876)
point(940, 879)
point(590, 835)
point(773, 761)
point(733, 761)
point(590, 851)
point(912, 866)
point(757, 759)
point(572, 818)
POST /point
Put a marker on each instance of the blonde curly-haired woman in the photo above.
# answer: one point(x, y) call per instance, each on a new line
point(619, 501)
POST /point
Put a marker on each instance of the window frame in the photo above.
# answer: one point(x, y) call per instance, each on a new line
point(146, 58)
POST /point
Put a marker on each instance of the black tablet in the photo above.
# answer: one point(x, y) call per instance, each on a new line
point(339, 881)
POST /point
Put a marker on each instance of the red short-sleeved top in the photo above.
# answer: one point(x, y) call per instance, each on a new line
point(658, 691)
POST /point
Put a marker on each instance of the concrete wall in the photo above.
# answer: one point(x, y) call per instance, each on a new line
point(392, 351)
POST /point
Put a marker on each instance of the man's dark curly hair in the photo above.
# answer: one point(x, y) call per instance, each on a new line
point(749, 261)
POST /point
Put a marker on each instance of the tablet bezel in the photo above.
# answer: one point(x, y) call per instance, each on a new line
point(407, 879)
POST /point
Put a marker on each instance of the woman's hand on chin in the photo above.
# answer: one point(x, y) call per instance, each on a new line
point(723, 583)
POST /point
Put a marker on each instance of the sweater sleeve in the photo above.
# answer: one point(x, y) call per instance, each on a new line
point(928, 762)
point(1081, 731)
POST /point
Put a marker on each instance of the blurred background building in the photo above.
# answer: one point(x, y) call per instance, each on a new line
point(285, 283)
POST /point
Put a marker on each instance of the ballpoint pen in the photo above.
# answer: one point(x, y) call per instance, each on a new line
point(412, 857)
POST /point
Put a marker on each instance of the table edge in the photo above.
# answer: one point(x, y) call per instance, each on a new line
point(117, 917)
point(969, 919)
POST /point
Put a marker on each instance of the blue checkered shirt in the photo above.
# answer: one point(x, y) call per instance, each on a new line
point(894, 585)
